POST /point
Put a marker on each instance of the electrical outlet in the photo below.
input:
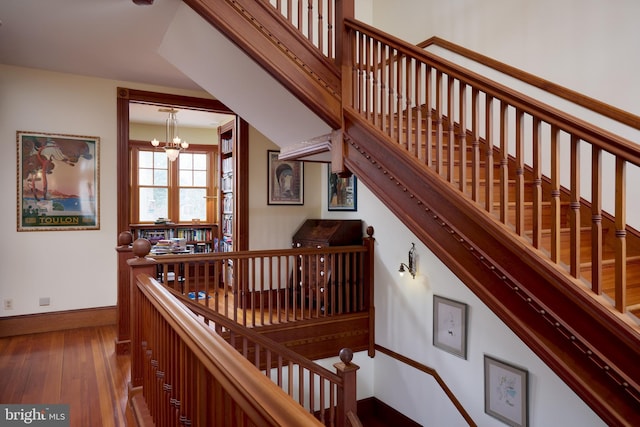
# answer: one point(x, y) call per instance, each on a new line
point(8, 304)
point(45, 301)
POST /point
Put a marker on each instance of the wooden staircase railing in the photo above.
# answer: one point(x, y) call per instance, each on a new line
point(319, 292)
point(185, 368)
point(549, 253)
point(441, 114)
point(490, 159)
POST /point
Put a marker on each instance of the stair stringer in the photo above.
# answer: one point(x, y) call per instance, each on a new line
point(587, 345)
point(265, 36)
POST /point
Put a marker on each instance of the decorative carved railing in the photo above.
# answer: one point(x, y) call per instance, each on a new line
point(186, 368)
point(447, 117)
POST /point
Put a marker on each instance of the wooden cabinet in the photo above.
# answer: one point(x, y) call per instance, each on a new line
point(320, 233)
point(316, 282)
point(202, 236)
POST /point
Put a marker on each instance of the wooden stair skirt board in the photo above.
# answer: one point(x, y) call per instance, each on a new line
point(57, 321)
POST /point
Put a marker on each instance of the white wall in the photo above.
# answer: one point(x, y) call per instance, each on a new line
point(586, 46)
point(77, 269)
point(404, 324)
point(273, 226)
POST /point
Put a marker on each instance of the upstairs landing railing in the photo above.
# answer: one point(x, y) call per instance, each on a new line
point(257, 288)
point(447, 117)
point(183, 373)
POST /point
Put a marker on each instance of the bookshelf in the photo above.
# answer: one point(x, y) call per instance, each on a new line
point(202, 236)
point(234, 190)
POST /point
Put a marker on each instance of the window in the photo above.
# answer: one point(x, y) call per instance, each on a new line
point(174, 190)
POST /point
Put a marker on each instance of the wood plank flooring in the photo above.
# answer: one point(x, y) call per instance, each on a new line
point(78, 367)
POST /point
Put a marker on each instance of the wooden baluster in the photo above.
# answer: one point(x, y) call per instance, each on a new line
point(428, 117)
point(310, 20)
point(451, 139)
point(391, 93)
point(462, 135)
point(399, 107)
point(361, 77)
point(621, 233)
point(312, 391)
point(300, 19)
point(519, 172)
point(375, 82)
point(439, 124)
point(418, 112)
point(596, 219)
point(323, 404)
point(489, 153)
point(384, 68)
point(475, 147)
point(368, 86)
point(537, 183)
point(504, 162)
point(408, 105)
point(330, 33)
point(574, 264)
point(555, 194)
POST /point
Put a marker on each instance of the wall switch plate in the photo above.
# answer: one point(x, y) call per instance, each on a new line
point(8, 304)
point(45, 301)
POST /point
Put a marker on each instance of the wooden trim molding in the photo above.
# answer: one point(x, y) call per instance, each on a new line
point(57, 321)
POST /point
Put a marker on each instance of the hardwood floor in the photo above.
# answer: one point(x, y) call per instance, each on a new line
point(78, 367)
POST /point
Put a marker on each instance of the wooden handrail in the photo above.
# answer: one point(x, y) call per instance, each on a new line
point(419, 100)
point(192, 375)
point(430, 371)
point(577, 98)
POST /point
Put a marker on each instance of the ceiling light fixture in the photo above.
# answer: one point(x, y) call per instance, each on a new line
point(174, 144)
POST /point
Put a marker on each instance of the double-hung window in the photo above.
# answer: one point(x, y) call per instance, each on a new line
point(179, 191)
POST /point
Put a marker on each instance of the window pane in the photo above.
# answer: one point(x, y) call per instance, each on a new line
point(200, 178)
point(200, 162)
point(186, 161)
point(186, 178)
point(153, 203)
point(160, 160)
point(145, 177)
point(160, 177)
point(193, 205)
point(145, 159)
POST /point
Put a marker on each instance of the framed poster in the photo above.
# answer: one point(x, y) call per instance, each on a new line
point(285, 181)
point(450, 326)
point(505, 392)
point(342, 192)
point(58, 182)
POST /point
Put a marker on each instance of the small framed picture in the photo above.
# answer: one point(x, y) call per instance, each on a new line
point(450, 326)
point(506, 392)
point(342, 192)
point(285, 181)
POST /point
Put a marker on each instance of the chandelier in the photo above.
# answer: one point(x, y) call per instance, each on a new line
point(174, 144)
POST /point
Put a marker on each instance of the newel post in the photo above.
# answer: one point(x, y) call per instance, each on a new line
point(347, 397)
point(138, 265)
point(369, 243)
point(123, 332)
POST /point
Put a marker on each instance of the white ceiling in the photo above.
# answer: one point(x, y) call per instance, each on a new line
point(111, 39)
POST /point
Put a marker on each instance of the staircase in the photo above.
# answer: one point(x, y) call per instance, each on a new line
point(491, 201)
